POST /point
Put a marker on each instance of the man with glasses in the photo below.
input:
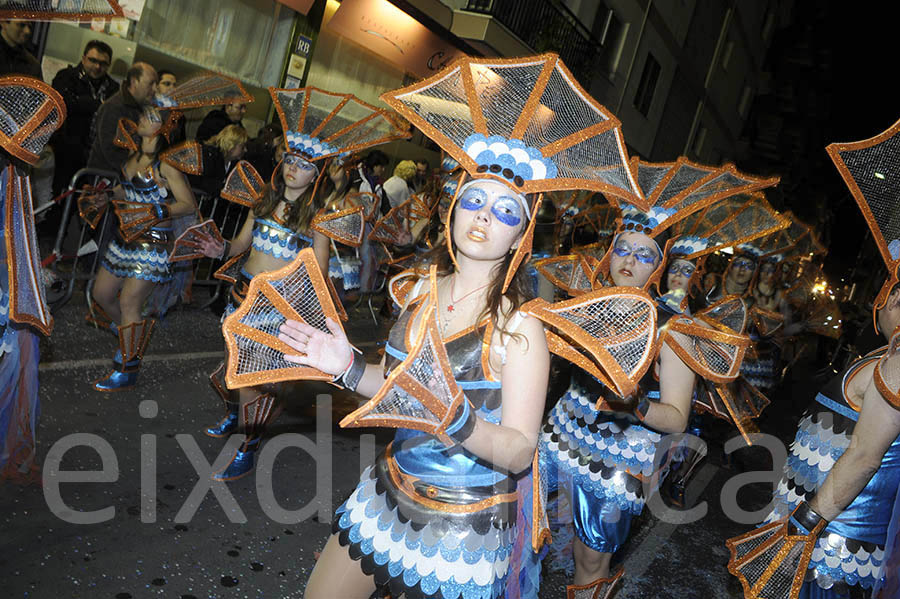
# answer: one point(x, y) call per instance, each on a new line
point(216, 120)
point(15, 59)
point(84, 87)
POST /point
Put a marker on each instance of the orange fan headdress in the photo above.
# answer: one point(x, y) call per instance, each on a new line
point(674, 191)
point(869, 169)
point(525, 122)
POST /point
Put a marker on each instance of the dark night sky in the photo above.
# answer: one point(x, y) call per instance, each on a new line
point(849, 94)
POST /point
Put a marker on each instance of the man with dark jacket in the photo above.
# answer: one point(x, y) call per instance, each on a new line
point(84, 87)
point(216, 120)
point(137, 91)
point(14, 58)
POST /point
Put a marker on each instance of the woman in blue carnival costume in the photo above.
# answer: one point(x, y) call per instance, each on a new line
point(24, 103)
point(154, 203)
point(448, 521)
point(278, 227)
point(135, 263)
point(620, 442)
point(833, 504)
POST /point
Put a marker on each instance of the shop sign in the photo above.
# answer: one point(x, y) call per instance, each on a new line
point(383, 28)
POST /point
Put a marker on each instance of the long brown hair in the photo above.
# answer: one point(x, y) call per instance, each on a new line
point(520, 289)
point(299, 214)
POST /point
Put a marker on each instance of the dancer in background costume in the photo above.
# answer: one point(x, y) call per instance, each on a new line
point(318, 126)
point(447, 510)
point(30, 112)
point(827, 530)
point(619, 438)
point(154, 204)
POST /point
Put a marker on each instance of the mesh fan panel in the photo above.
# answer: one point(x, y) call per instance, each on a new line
point(188, 243)
point(243, 185)
point(731, 313)
point(559, 271)
point(779, 585)
point(749, 401)
point(29, 301)
point(749, 544)
point(345, 228)
point(581, 277)
point(297, 290)
point(38, 138)
point(207, 90)
point(650, 176)
point(716, 356)
point(684, 177)
point(606, 319)
point(824, 317)
point(444, 106)
point(320, 106)
point(291, 104)
point(718, 184)
point(754, 569)
point(371, 132)
point(78, 10)
point(874, 170)
point(350, 113)
point(424, 369)
point(503, 94)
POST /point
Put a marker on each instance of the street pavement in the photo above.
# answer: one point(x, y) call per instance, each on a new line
point(166, 533)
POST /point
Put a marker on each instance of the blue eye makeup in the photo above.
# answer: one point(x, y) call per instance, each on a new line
point(641, 253)
point(294, 160)
point(508, 211)
point(686, 270)
point(472, 199)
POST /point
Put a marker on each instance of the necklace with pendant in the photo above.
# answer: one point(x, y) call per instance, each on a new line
point(454, 301)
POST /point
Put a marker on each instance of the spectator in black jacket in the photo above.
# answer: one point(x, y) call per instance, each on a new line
point(14, 58)
point(84, 87)
point(216, 120)
point(137, 91)
point(261, 149)
point(220, 153)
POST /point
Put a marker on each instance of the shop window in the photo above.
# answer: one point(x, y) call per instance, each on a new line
point(612, 33)
point(726, 55)
point(699, 140)
point(241, 38)
point(647, 86)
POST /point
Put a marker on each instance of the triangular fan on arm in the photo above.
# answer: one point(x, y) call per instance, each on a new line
point(572, 273)
point(186, 157)
point(134, 219)
point(244, 185)
point(421, 393)
point(615, 326)
point(255, 354)
point(344, 226)
point(389, 228)
point(712, 353)
point(767, 322)
point(187, 246)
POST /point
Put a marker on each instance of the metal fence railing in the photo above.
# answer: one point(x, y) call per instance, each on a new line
point(67, 259)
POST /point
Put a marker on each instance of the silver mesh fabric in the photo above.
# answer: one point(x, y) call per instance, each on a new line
point(187, 246)
point(623, 326)
point(59, 10)
point(875, 171)
point(730, 221)
point(243, 185)
point(209, 89)
point(297, 289)
point(424, 369)
point(716, 356)
point(731, 313)
point(344, 228)
point(20, 106)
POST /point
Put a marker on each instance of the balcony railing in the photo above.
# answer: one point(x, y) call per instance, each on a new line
point(548, 26)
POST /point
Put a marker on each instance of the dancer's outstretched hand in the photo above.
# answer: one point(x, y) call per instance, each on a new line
point(329, 353)
point(211, 248)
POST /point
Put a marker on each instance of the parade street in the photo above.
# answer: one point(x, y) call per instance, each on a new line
point(168, 531)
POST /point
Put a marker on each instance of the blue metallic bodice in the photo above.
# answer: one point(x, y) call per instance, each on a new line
point(274, 239)
point(423, 456)
point(868, 516)
point(143, 188)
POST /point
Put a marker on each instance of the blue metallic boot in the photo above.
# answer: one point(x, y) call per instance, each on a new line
point(229, 422)
point(227, 425)
point(241, 463)
point(257, 414)
point(133, 340)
